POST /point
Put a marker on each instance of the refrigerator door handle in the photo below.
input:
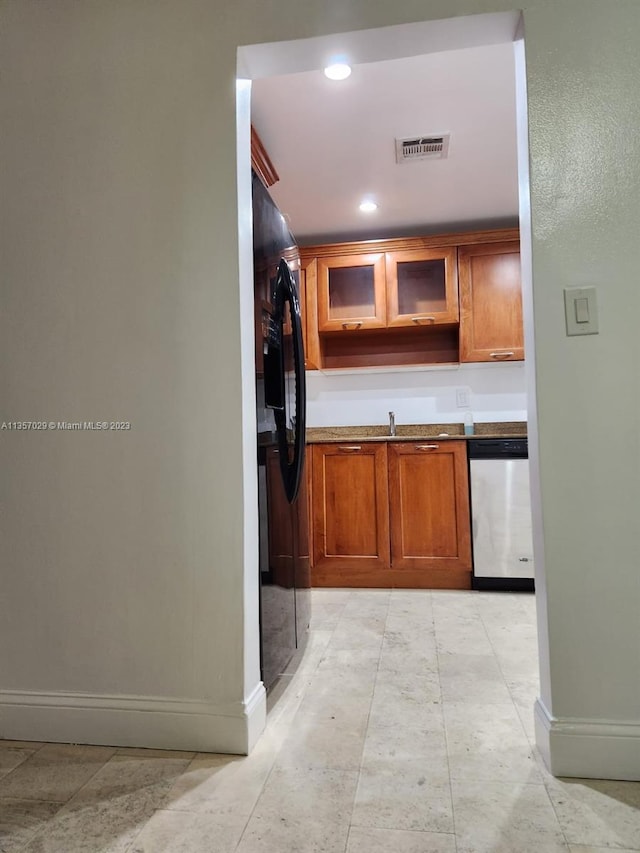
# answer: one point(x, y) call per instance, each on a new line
point(293, 468)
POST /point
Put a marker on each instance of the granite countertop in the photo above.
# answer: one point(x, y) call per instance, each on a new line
point(416, 432)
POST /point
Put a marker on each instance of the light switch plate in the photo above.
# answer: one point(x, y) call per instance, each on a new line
point(581, 310)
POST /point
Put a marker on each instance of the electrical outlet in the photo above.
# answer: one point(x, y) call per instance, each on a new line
point(462, 398)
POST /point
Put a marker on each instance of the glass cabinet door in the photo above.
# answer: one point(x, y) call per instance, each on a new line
point(422, 287)
point(351, 293)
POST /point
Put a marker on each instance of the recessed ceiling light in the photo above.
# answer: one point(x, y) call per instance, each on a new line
point(368, 206)
point(337, 71)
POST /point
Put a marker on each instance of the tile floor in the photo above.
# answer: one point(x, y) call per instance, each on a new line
point(407, 728)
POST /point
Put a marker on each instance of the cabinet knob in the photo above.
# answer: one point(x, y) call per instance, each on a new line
point(354, 325)
point(426, 447)
point(420, 320)
point(350, 448)
point(499, 355)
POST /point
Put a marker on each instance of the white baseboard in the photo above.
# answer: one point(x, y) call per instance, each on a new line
point(588, 749)
point(255, 712)
point(143, 721)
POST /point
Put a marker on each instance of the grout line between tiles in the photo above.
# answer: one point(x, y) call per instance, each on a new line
point(43, 830)
point(306, 682)
point(129, 846)
point(504, 678)
point(366, 728)
point(446, 738)
point(532, 747)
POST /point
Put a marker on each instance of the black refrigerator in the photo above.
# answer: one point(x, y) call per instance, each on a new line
point(285, 606)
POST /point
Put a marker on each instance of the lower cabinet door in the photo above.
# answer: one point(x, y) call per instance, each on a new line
point(350, 507)
point(429, 514)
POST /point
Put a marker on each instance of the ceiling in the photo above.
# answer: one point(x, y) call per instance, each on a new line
point(333, 143)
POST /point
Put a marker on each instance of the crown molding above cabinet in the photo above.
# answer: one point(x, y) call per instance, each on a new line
point(261, 162)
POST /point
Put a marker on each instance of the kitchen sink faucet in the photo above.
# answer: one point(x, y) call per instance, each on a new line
point(392, 423)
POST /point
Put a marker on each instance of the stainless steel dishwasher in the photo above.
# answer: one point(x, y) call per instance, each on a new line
point(501, 514)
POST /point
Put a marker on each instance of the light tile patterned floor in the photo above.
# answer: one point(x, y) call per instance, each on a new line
point(407, 728)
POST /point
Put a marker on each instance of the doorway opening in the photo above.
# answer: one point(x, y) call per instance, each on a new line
point(494, 189)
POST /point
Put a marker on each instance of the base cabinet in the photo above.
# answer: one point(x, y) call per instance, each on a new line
point(429, 513)
point(350, 510)
point(391, 514)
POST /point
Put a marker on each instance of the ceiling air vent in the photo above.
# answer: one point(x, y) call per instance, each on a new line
point(432, 147)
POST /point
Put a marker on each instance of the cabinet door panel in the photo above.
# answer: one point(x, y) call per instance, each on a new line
point(491, 326)
point(422, 287)
point(427, 512)
point(350, 506)
point(429, 506)
point(348, 528)
point(351, 293)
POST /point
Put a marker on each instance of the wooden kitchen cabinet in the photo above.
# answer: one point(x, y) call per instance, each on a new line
point(422, 287)
point(429, 514)
point(350, 510)
point(391, 514)
point(385, 290)
point(491, 326)
point(351, 293)
point(438, 299)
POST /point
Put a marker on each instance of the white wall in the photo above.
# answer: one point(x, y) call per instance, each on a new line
point(496, 392)
point(129, 570)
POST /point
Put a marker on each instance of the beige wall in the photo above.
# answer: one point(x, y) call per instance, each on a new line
point(123, 552)
point(128, 568)
point(585, 176)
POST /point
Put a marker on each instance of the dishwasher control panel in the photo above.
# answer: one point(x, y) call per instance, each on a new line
point(498, 448)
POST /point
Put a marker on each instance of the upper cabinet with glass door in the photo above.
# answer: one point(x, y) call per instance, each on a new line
point(351, 293)
point(437, 299)
point(422, 287)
